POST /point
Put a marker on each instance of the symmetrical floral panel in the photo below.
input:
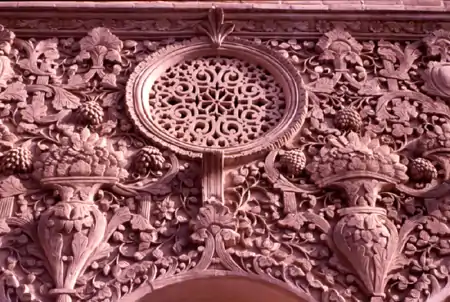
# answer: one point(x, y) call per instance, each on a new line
point(322, 164)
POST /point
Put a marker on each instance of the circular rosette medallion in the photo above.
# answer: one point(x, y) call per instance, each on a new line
point(241, 98)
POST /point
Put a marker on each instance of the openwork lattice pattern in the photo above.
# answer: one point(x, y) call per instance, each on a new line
point(216, 101)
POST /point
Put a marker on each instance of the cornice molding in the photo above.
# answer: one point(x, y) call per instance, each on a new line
point(159, 19)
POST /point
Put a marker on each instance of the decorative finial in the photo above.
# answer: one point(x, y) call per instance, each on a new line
point(216, 29)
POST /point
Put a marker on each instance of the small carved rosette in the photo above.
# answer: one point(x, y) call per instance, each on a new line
point(72, 231)
point(368, 240)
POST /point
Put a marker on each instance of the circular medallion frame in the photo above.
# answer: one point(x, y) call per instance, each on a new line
point(280, 68)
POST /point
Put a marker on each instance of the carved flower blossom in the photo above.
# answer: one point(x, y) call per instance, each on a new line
point(215, 214)
point(166, 209)
point(399, 130)
point(349, 153)
point(215, 218)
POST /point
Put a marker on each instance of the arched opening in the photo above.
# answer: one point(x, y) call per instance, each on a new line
point(222, 289)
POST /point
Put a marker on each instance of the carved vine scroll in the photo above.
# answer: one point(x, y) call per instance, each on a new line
point(323, 164)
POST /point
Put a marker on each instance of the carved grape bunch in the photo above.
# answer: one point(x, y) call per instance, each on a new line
point(422, 170)
point(16, 160)
point(294, 161)
point(149, 159)
point(348, 119)
point(91, 113)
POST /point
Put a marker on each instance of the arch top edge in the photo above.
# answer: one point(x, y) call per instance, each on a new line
point(218, 280)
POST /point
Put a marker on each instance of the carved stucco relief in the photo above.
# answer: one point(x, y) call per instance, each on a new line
point(319, 164)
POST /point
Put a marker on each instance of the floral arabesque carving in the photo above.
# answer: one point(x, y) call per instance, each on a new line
point(362, 168)
point(216, 102)
point(348, 206)
point(397, 128)
point(62, 241)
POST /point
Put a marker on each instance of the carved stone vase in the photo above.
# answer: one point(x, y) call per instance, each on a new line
point(364, 236)
point(369, 241)
point(71, 230)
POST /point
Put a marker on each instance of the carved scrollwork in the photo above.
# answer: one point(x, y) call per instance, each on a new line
point(190, 96)
point(320, 163)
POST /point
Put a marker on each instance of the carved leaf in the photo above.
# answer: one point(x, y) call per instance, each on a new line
point(34, 112)
point(412, 52)
point(112, 99)
point(121, 216)
point(113, 56)
point(15, 91)
point(139, 222)
point(293, 221)
point(76, 80)
point(79, 244)
point(437, 227)
point(216, 28)
point(144, 246)
point(102, 251)
point(386, 51)
point(436, 107)
point(11, 186)
point(63, 99)
point(109, 80)
point(148, 236)
point(56, 246)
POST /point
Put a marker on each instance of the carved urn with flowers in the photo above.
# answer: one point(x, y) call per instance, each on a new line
point(72, 230)
point(362, 167)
